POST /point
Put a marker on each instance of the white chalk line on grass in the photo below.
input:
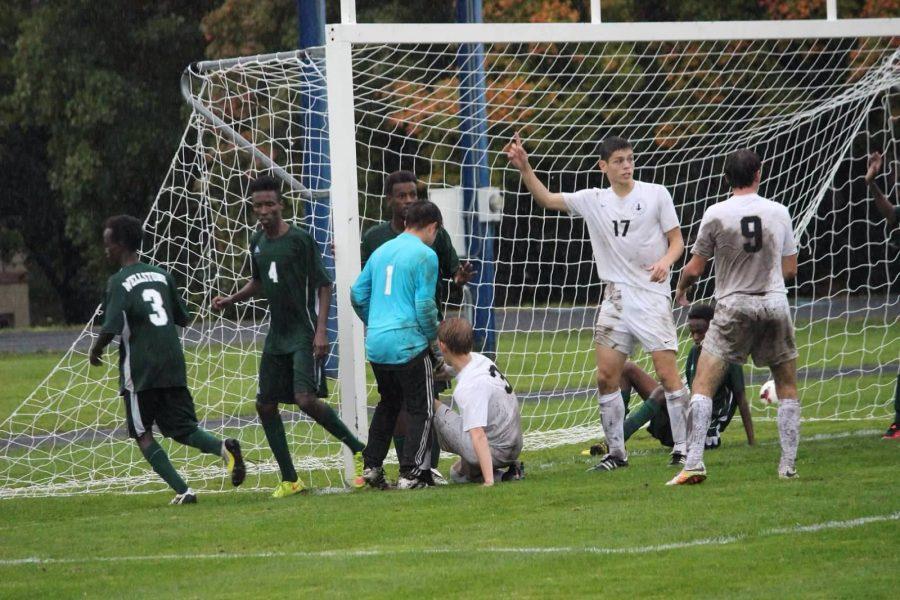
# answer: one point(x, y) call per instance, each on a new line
point(589, 550)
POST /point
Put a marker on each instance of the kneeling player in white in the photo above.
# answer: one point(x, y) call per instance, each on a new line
point(487, 436)
point(752, 240)
point(635, 236)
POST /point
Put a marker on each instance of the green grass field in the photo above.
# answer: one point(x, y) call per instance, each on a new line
point(562, 532)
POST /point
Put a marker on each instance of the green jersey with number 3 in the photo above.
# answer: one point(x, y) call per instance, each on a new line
point(291, 271)
point(143, 306)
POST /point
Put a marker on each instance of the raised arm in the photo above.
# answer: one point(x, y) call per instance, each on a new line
point(518, 158)
point(887, 210)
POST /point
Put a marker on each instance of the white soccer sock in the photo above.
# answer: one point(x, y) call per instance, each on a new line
point(789, 430)
point(612, 417)
point(700, 414)
point(676, 405)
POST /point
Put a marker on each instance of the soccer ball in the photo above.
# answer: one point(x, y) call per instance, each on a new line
point(767, 394)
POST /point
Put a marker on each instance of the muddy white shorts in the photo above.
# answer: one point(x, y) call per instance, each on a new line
point(629, 316)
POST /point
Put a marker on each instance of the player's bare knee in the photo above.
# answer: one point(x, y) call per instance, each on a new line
point(144, 440)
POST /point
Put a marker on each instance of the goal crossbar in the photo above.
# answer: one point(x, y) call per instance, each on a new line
point(372, 33)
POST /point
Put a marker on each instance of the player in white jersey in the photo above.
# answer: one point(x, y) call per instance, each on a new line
point(635, 238)
point(752, 240)
point(487, 433)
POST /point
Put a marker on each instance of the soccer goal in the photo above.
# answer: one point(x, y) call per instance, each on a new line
point(812, 97)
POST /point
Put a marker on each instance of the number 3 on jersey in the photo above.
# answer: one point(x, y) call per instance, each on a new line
point(273, 273)
point(158, 314)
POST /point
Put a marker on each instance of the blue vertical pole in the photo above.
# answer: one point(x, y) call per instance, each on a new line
point(475, 174)
point(316, 166)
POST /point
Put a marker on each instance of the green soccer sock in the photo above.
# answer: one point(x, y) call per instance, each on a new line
point(274, 429)
point(435, 451)
point(333, 425)
point(203, 441)
point(639, 417)
point(399, 441)
point(159, 460)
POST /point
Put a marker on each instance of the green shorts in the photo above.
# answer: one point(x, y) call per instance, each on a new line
point(283, 375)
point(172, 409)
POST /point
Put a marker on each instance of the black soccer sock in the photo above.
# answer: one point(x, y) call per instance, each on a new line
point(435, 450)
point(159, 460)
point(399, 441)
point(274, 429)
point(203, 441)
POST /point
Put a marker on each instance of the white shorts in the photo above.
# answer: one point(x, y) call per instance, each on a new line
point(629, 316)
point(759, 326)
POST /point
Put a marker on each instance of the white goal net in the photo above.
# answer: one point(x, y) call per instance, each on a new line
point(812, 108)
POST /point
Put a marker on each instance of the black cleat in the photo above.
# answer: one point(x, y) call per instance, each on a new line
point(678, 459)
point(515, 472)
point(189, 497)
point(235, 462)
point(610, 463)
point(374, 476)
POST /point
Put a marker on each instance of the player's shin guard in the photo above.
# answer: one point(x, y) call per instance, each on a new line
point(612, 417)
point(789, 430)
point(700, 414)
point(159, 460)
point(677, 404)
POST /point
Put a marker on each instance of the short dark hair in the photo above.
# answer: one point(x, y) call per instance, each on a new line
point(265, 183)
point(126, 230)
point(398, 177)
point(702, 311)
point(741, 167)
point(423, 213)
point(611, 144)
point(456, 333)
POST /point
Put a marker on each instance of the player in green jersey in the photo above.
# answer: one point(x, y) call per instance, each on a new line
point(401, 191)
point(287, 268)
point(143, 306)
point(891, 214)
point(730, 397)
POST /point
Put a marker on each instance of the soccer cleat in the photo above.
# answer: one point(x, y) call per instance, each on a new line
point(359, 468)
point(374, 476)
point(787, 473)
point(677, 459)
point(598, 449)
point(689, 477)
point(893, 433)
point(234, 461)
point(188, 497)
point(515, 472)
point(287, 488)
point(437, 478)
point(609, 463)
point(411, 483)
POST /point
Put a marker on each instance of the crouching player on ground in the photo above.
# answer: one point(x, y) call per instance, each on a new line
point(729, 397)
point(487, 435)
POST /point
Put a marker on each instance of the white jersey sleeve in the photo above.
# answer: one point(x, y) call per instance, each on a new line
point(789, 247)
point(579, 201)
point(668, 218)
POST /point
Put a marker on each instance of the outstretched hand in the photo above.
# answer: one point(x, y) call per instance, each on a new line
point(464, 274)
point(515, 153)
point(874, 166)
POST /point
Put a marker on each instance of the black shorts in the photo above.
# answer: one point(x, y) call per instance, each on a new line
point(283, 375)
point(171, 409)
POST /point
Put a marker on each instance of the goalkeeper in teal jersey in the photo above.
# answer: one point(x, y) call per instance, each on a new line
point(394, 297)
point(142, 305)
point(286, 267)
point(729, 398)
